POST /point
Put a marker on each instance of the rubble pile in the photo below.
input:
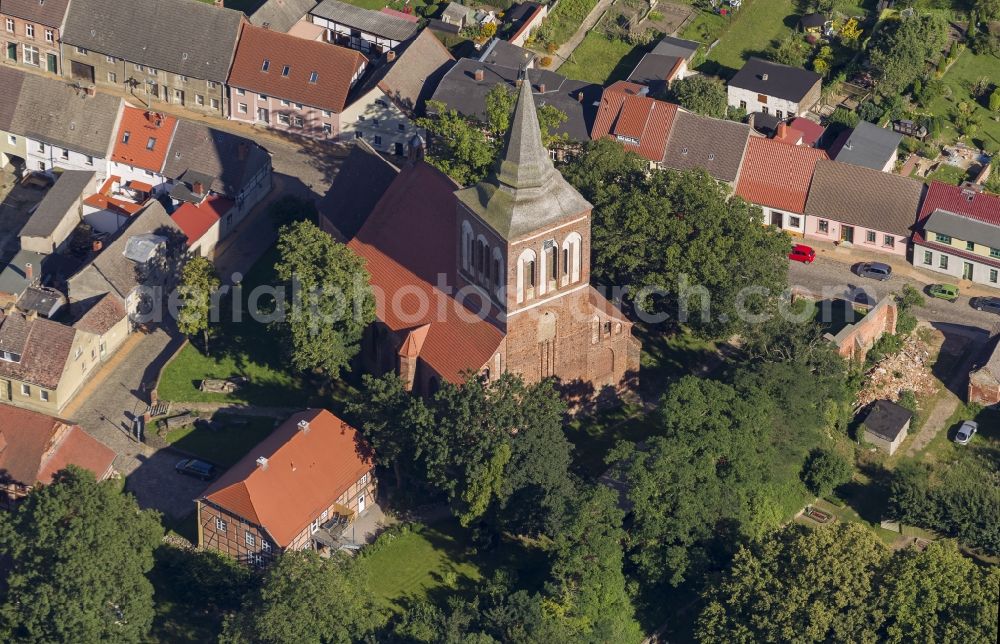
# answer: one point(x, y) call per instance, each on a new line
point(906, 370)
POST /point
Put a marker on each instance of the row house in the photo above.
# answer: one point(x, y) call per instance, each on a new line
point(958, 234)
point(175, 51)
point(301, 488)
point(31, 32)
point(291, 84)
point(867, 145)
point(13, 150)
point(714, 145)
point(370, 32)
point(34, 446)
point(639, 123)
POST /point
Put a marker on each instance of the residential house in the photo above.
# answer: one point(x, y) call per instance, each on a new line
point(106, 318)
point(140, 149)
point(175, 51)
point(34, 446)
point(871, 209)
point(203, 162)
point(111, 206)
point(291, 84)
point(32, 31)
point(141, 258)
point(383, 107)
point(64, 126)
point(60, 211)
point(299, 489)
point(984, 379)
point(958, 233)
point(42, 363)
point(641, 124)
point(715, 145)
point(281, 15)
point(465, 86)
point(522, 19)
point(514, 254)
point(370, 32)
point(867, 145)
point(668, 62)
point(776, 177)
point(500, 52)
point(13, 149)
point(202, 222)
point(778, 90)
point(887, 425)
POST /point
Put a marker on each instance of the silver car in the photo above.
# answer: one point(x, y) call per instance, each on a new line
point(966, 432)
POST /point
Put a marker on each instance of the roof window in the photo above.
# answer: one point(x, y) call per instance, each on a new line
point(313, 77)
point(126, 136)
point(285, 70)
point(151, 143)
point(266, 65)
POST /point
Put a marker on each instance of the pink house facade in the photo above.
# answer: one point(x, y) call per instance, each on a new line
point(282, 114)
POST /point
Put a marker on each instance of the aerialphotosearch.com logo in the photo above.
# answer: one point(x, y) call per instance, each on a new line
point(421, 303)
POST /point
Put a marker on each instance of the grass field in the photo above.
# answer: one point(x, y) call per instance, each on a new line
point(226, 445)
point(751, 31)
point(603, 61)
point(959, 78)
point(565, 19)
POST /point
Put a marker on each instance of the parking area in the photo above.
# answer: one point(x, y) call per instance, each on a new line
point(16, 202)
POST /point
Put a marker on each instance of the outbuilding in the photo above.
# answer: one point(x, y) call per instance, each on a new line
point(886, 425)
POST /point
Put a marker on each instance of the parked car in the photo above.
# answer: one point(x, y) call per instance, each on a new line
point(875, 270)
point(943, 291)
point(966, 432)
point(802, 253)
point(988, 304)
point(194, 467)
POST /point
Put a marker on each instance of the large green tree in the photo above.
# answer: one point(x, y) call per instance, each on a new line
point(305, 598)
point(900, 47)
point(199, 282)
point(700, 94)
point(78, 552)
point(332, 302)
point(682, 246)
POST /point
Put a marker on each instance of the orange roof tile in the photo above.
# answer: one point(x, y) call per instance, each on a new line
point(777, 175)
point(143, 138)
point(335, 68)
point(195, 220)
point(638, 122)
point(34, 446)
point(306, 472)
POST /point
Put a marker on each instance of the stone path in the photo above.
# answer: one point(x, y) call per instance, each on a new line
point(568, 47)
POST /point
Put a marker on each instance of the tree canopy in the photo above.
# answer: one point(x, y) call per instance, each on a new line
point(199, 282)
point(78, 554)
point(700, 94)
point(900, 47)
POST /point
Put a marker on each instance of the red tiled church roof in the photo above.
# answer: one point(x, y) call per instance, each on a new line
point(777, 175)
point(626, 112)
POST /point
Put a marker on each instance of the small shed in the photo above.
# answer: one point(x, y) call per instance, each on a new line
point(812, 23)
point(886, 425)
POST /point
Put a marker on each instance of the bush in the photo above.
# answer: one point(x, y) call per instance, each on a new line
point(869, 111)
point(825, 470)
point(995, 101)
point(545, 61)
point(908, 400)
point(887, 345)
point(843, 117)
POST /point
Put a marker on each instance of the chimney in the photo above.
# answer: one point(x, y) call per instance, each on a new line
point(303, 425)
point(782, 131)
point(763, 77)
point(262, 462)
point(91, 90)
point(198, 188)
point(29, 272)
point(31, 315)
point(390, 56)
point(478, 75)
point(541, 88)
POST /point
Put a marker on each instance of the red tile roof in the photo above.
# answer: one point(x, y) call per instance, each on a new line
point(109, 311)
point(143, 138)
point(34, 446)
point(811, 131)
point(194, 221)
point(982, 206)
point(777, 175)
point(306, 472)
point(103, 200)
point(335, 68)
point(626, 112)
point(409, 17)
point(407, 241)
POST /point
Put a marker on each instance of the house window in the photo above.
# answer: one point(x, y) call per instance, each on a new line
point(327, 128)
point(283, 119)
point(11, 139)
point(242, 108)
point(88, 160)
point(870, 237)
point(182, 79)
point(943, 239)
point(401, 127)
point(363, 480)
point(970, 246)
point(240, 92)
point(250, 539)
point(359, 134)
point(25, 390)
point(374, 122)
point(378, 140)
point(31, 55)
point(220, 525)
point(284, 71)
point(284, 103)
point(41, 147)
point(943, 262)
point(262, 97)
point(65, 154)
point(777, 113)
point(10, 25)
point(112, 77)
point(214, 103)
point(743, 105)
point(81, 51)
point(211, 84)
point(256, 559)
point(41, 166)
point(151, 143)
point(49, 36)
point(29, 30)
point(995, 253)
point(313, 77)
point(327, 114)
point(764, 110)
point(888, 241)
point(794, 222)
point(109, 59)
point(928, 257)
point(266, 65)
point(151, 70)
point(993, 276)
point(137, 67)
point(265, 545)
point(824, 226)
point(381, 103)
point(297, 121)
point(44, 395)
point(12, 52)
point(298, 106)
point(199, 99)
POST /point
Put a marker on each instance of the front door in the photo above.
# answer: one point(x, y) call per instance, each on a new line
point(51, 64)
point(967, 271)
point(12, 50)
point(847, 234)
point(361, 503)
point(262, 114)
point(777, 219)
point(4, 389)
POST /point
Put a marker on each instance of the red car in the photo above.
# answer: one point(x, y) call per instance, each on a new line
point(802, 253)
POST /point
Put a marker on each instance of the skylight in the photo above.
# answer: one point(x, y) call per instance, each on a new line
point(313, 77)
point(285, 70)
point(266, 65)
point(151, 143)
point(126, 136)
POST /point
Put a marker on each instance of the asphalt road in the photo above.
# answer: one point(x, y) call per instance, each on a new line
point(828, 278)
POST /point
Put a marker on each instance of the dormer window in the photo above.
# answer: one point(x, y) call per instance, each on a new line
point(285, 70)
point(7, 356)
point(126, 136)
point(313, 77)
point(266, 65)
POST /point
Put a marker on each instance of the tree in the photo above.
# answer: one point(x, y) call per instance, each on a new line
point(701, 94)
point(987, 9)
point(900, 47)
point(843, 117)
point(305, 598)
point(995, 100)
point(851, 31)
point(198, 282)
point(790, 51)
point(335, 302)
point(798, 585)
point(390, 418)
point(586, 593)
point(78, 553)
point(825, 470)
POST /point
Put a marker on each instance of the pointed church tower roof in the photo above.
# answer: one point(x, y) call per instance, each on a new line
point(524, 193)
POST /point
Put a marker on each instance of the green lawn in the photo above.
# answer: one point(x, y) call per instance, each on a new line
point(566, 18)
point(751, 31)
point(594, 436)
point(959, 78)
point(226, 445)
point(948, 174)
point(603, 61)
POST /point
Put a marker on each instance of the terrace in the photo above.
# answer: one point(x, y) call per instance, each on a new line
point(109, 208)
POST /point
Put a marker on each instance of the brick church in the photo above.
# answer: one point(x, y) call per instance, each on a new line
point(486, 279)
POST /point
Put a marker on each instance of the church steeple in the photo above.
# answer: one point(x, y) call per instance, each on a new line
point(524, 193)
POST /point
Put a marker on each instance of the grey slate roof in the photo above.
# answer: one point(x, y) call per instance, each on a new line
point(53, 111)
point(652, 71)
point(670, 46)
point(868, 145)
point(525, 192)
point(373, 22)
point(229, 159)
point(58, 201)
point(783, 81)
point(460, 91)
point(701, 142)
point(281, 15)
point(861, 196)
point(887, 419)
point(964, 228)
point(10, 80)
point(501, 52)
point(184, 37)
point(363, 178)
point(46, 12)
point(13, 280)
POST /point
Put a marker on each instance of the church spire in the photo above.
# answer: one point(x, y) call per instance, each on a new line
point(524, 161)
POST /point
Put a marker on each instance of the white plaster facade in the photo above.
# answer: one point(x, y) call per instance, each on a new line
point(44, 157)
point(754, 102)
point(941, 261)
point(380, 122)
